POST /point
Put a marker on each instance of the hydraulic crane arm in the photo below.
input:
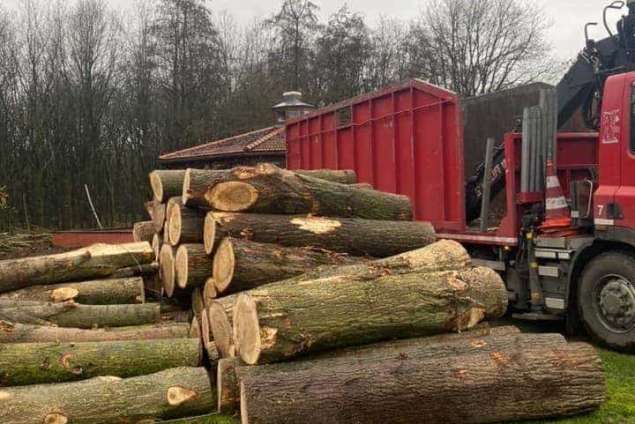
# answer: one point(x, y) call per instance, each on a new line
point(580, 89)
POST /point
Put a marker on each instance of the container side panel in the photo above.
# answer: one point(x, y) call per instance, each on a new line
point(384, 148)
point(346, 149)
point(331, 160)
point(294, 153)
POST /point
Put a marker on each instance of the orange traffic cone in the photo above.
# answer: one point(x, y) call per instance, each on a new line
point(557, 212)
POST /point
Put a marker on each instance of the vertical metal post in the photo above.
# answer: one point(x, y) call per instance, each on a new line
point(487, 184)
point(525, 155)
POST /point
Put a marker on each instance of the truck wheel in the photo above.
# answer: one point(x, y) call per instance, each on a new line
point(606, 300)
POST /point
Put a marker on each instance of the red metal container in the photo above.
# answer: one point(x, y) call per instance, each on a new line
point(77, 239)
point(404, 139)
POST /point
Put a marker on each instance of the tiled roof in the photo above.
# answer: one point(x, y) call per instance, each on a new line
point(267, 140)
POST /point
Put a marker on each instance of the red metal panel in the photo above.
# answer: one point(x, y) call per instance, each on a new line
point(77, 239)
point(404, 139)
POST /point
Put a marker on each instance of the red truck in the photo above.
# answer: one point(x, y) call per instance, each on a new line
point(408, 139)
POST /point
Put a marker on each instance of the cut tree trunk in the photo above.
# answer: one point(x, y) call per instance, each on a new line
point(157, 242)
point(99, 260)
point(243, 265)
point(168, 271)
point(193, 266)
point(517, 382)
point(166, 184)
point(172, 203)
point(197, 302)
point(156, 210)
point(25, 333)
point(219, 314)
point(185, 225)
point(143, 231)
point(136, 270)
point(96, 292)
point(227, 377)
point(364, 186)
point(209, 291)
point(173, 393)
point(284, 320)
point(334, 176)
point(70, 314)
point(269, 189)
point(228, 386)
point(357, 237)
point(37, 363)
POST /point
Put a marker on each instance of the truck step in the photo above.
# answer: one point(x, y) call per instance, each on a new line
point(537, 316)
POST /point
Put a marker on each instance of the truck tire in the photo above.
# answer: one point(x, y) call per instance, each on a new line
point(606, 300)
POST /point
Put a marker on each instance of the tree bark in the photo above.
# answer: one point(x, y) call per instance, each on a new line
point(243, 265)
point(508, 383)
point(356, 237)
point(334, 176)
point(284, 320)
point(143, 231)
point(228, 386)
point(37, 363)
point(99, 260)
point(97, 292)
point(186, 225)
point(70, 314)
point(172, 203)
point(193, 266)
point(173, 393)
point(195, 185)
point(26, 333)
point(364, 186)
point(269, 189)
point(136, 270)
point(168, 270)
point(166, 184)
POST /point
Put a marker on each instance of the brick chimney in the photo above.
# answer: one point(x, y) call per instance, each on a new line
point(291, 107)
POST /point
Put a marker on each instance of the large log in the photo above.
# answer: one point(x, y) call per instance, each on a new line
point(229, 369)
point(156, 210)
point(284, 320)
point(168, 270)
point(492, 385)
point(269, 189)
point(36, 363)
point(334, 176)
point(26, 333)
point(99, 260)
point(185, 225)
point(173, 393)
point(143, 231)
point(157, 242)
point(70, 314)
point(173, 202)
point(357, 237)
point(166, 184)
point(193, 266)
point(242, 265)
point(209, 291)
point(96, 292)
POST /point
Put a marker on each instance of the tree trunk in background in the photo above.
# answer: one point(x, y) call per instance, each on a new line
point(166, 184)
point(100, 260)
point(69, 314)
point(441, 388)
point(38, 363)
point(242, 265)
point(173, 393)
point(284, 320)
point(26, 333)
point(358, 237)
point(96, 292)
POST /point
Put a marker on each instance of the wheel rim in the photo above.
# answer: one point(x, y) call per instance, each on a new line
point(615, 303)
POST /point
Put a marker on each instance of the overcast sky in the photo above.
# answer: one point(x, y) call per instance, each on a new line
point(568, 16)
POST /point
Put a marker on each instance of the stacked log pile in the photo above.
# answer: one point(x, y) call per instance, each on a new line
point(304, 290)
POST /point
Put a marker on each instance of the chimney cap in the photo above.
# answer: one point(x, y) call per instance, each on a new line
point(293, 99)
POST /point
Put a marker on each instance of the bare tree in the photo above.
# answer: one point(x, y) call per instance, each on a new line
point(480, 46)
